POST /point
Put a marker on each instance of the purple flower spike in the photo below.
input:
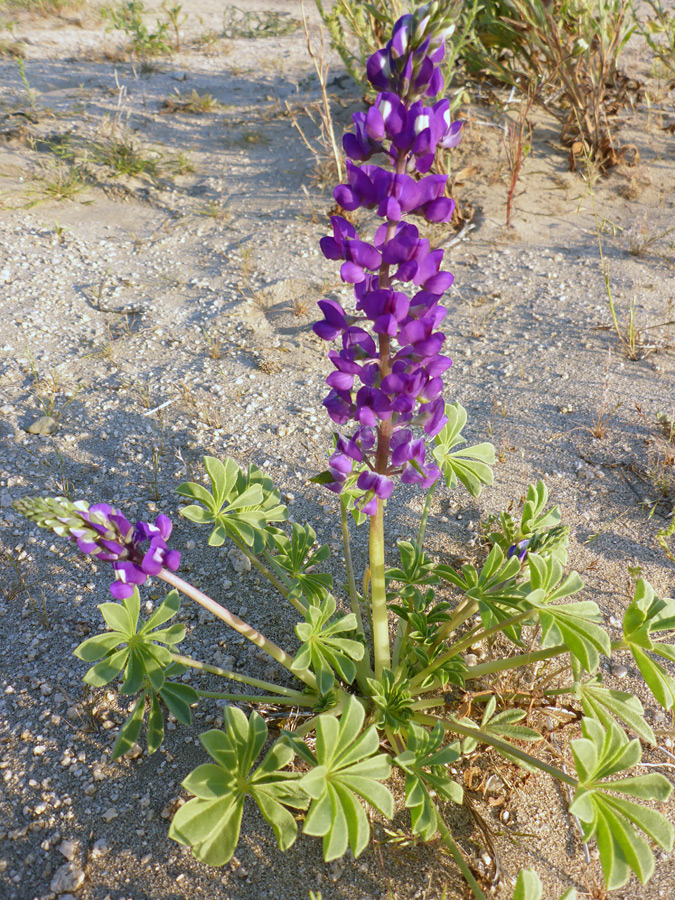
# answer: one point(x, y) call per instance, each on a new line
point(387, 375)
point(135, 551)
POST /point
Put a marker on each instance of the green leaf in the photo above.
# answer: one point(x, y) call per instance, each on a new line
point(145, 661)
point(347, 765)
point(296, 556)
point(239, 505)
point(195, 492)
point(179, 698)
point(538, 531)
point(129, 732)
point(608, 705)
point(210, 822)
point(197, 514)
point(117, 618)
point(134, 673)
point(107, 669)
point(323, 649)
point(424, 763)
point(155, 726)
point(599, 754)
point(646, 615)
point(528, 886)
point(99, 645)
point(470, 466)
point(167, 610)
point(574, 624)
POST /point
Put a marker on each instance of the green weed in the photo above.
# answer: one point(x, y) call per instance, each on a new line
point(239, 23)
point(193, 103)
point(59, 181)
point(145, 43)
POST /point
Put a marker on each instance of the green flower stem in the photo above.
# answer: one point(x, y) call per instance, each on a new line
point(431, 703)
point(507, 749)
point(378, 593)
point(269, 575)
point(525, 659)
point(463, 612)
point(425, 515)
point(257, 698)
point(238, 625)
point(468, 641)
point(349, 566)
point(234, 676)
point(456, 854)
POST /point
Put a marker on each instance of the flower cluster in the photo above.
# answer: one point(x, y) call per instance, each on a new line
point(387, 375)
point(135, 551)
point(408, 65)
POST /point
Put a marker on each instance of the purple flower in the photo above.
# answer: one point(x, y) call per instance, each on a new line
point(135, 551)
point(335, 320)
point(520, 549)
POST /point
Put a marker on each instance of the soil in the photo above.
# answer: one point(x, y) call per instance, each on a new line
point(159, 316)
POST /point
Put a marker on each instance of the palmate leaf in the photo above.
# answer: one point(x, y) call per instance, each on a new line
point(324, 648)
point(144, 659)
point(495, 588)
point(392, 700)
point(347, 766)
point(646, 616)
point(295, 555)
point(472, 465)
point(504, 724)
point(239, 505)
point(210, 822)
point(599, 754)
point(424, 762)
point(574, 624)
point(416, 570)
point(608, 705)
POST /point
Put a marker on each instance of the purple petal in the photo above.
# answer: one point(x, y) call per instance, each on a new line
point(381, 485)
point(172, 560)
point(165, 527)
point(120, 590)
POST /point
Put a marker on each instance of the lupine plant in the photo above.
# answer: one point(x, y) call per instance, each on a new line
point(383, 673)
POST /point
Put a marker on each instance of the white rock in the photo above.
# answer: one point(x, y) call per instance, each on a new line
point(68, 849)
point(240, 562)
point(67, 878)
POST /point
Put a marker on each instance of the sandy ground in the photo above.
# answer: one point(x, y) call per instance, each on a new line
point(163, 315)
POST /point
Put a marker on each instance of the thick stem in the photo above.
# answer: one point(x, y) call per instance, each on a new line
point(235, 676)
point(378, 593)
point(503, 747)
point(363, 668)
point(238, 625)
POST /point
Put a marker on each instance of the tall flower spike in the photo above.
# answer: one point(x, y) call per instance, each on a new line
point(135, 551)
point(387, 376)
